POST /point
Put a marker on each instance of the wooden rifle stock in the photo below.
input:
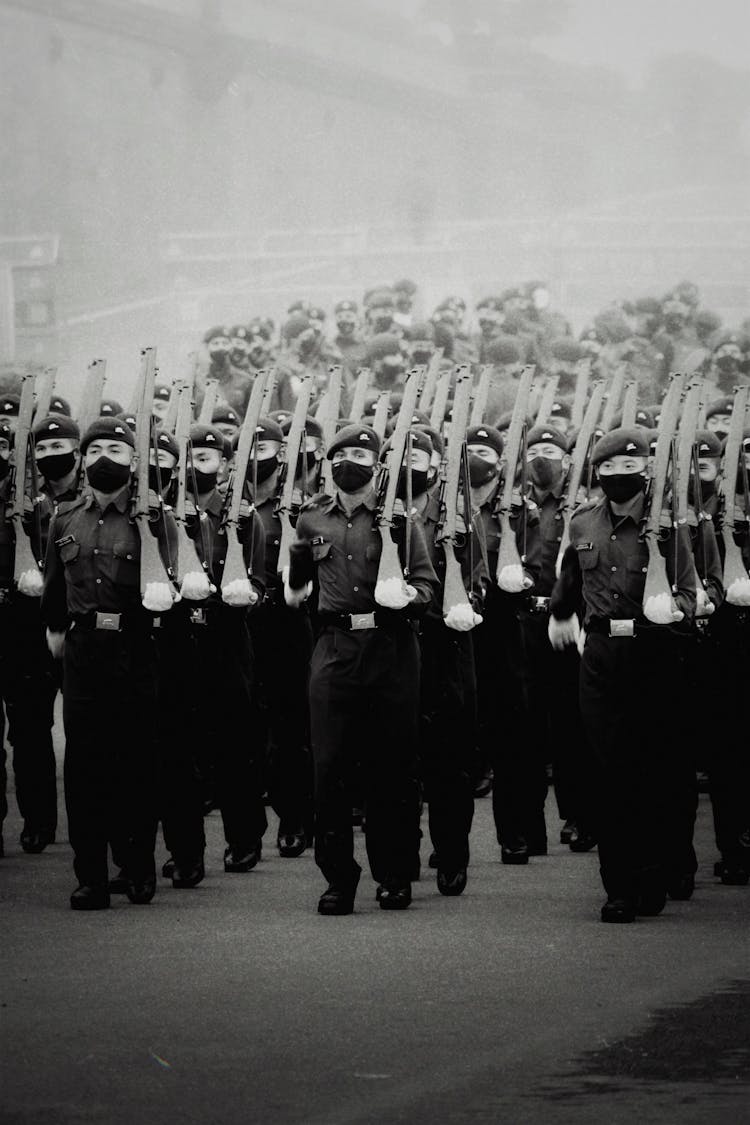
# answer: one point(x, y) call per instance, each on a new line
point(629, 403)
point(294, 437)
point(390, 564)
point(188, 558)
point(685, 446)
point(427, 394)
point(578, 461)
point(614, 394)
point(153, 568)
point(380, 421)
point(454, 592)
point(482, 393)
point(91, 400)
point(210, 396)
point(45, 387)
point(24, 559)
point(547, 400)
point(508, 551)
point(271, 381)
point(657, 582)
point(439, 403)
point(360, 394)
point(328, 419)
point(234, 562)
point(578, 409)
point(734, 566)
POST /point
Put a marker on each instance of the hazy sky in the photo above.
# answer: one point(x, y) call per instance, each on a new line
point(630, 34)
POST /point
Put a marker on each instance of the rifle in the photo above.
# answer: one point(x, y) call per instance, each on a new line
point(91, 400)
point(613, 396)
point(685, 447)
point(170, 418)
point(360, 393)
point(189, 561)
point(508, 552)
point(380, 421)
point(734, 566)
point(657, 582)
point(234, 561)
point(581, 451)
point(427, 393)
point(454, 592)
point(210, 395)
point(45, 389)
point(583, 374)
point(629, 403)
point(153, 568)
point(328, 419)
point(439, 403)
point(389, 566)
point(294, 437)
point(24, 562)
point(271, 381)
point(547, 401)
point(479, 405)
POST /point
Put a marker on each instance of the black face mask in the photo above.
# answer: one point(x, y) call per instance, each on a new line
point(205, 482)
point(219, 358)
point(345, 328)
point(389, 373)
point(265, 468)
point(419, 483)
point(257, 356)
point(350, 476)
point(4, 467)
point(107, 475)
point(545, 472)
point(382, 323)
point(56, 465)
point(419, 357)
point(621, 487)
point(158, 478)
point(708, 489)
point(480, 471)
point(238, 356)
point(305, 461)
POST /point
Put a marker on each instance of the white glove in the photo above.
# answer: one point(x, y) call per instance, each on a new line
point(562, 633)
point(704, 606)
point(295, 598)
point(55, 643)
point(394, 593)
point(158, 597)
point(739, 592)
point(513, 580)
point(239, 592)
point(195, 586)
point(462, 618)
point(661, 610)
point(30, 583)
point(581, 642)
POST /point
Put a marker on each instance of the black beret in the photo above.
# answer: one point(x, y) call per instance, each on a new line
point(345, 306)
point(113, 429)
point(405, 285)
point(357, 435)
point(206, 437)
point(548, 434)
point(633, 440)
point(163, 391)
point(268, 429)
point(219, 330)
point(418, 418)
point(59, 405)
point(279, 417)
point(110, 407)
point(295, 326)
point(559, 410)
point(130, 418)
point(225, 413)
point(709, 445)
point(438, 444)
point(313, 427)
point(240, 332)
point(567, 350)
point(420, 330)
point(643, 417)
point(485, 435)
point(720, 406)
point(167, 441)
point(504, 349)
point(381, 345)
point(419, 440)
point(56, 426)
point(9, 404)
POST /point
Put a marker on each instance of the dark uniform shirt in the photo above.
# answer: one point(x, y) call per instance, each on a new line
point(606, 563)
point(210, 538)
point(7, 538)
point(93, 558)
point(550, 535)
point(347, 548)
point(528, 540)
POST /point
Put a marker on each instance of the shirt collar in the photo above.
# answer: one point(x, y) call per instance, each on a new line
point(635, 515)
point(370, 502)
point(120, 500)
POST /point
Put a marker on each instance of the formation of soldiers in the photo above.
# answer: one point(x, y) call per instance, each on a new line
point(404, 566)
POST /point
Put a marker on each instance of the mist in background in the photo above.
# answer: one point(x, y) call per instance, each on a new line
point(171, 164)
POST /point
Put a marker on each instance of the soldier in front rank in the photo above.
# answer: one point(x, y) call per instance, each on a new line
point(364, 680)
point(97, 624)
point(630, 680)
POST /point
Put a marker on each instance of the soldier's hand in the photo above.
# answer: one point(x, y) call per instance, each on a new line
point(195, 586)
point(462, 618)
point(704, 606)
point(239, 593)
point(30, 583)
point(295, 598)
point(55, 643)
point(158, 597)
point(563, 633)
point(514, 580)
point(661, 610)
point(394, 593)
point(738, 592)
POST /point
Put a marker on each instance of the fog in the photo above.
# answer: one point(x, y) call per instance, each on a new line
point(193, 163)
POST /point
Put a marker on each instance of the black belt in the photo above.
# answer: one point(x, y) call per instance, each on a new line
point(388, 620)
point(620, 626)
point(109, 621)
point(537, 605)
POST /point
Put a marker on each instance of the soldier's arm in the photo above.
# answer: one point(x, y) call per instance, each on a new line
point(54, 602)
point(681, 570)
point(421, 574)
point(567, 595)
point(252, 535)
point(533, 543)
point(710, 559)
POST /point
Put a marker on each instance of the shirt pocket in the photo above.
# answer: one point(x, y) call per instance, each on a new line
point(125, 563)
point(588, 559)
point(70, 554)
point(321, 552)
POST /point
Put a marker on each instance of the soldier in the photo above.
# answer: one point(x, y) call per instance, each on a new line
point(364, 680)
point(385, 357)
point(727, 367)
point(719, 416)
point(239, 339)
point(227, 421)
point(348, 339)
point(404, 292)
point(162, 395)
point(95, 621)
point(489, 315)
point(9, 404)
point(630, 673)
point(234, 384)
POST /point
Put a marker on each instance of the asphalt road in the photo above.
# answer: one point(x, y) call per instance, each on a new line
point(235, 1003)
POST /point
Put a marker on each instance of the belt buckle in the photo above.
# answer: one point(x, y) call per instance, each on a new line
point(4, 594)
point(362, 621)
point(109, 621)
point(624, 627)
point(539, 605)
point(198, 616)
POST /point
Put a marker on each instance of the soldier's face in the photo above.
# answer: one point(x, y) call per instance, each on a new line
point(159, 408)
point(719, 424)
point(10, 420)
point(346, 324)
point(621, 463)
point(228, 429)
point(220, 345)
point(166, 460)
point(207, 460)
point(355, 453)
point(486, 452)
point(268, 449)
point(708, 468)
point(49, 447)
point(118, 451)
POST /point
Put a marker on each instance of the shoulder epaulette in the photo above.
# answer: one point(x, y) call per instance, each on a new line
point(315, 501)
point(66, 506)
point(587, 506)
